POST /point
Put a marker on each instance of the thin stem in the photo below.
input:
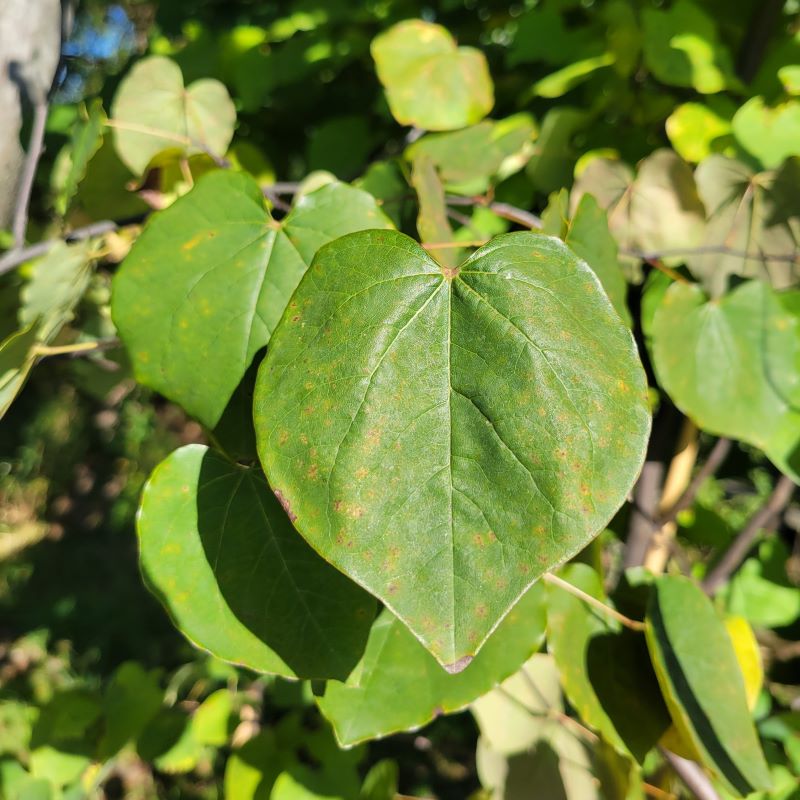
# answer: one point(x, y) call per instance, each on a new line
point(764, 518)
point(35, 146)
point(656, 255)
point(554, 580)
point(690, 773)
point(505, 210)
point(13, 258)
point(656, 263)
point(77, 348)
point(659, 794)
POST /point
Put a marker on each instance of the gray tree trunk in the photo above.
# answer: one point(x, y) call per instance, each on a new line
point(30, 44)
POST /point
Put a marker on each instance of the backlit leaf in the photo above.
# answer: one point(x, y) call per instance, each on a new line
point(430, 82)
point(152, 100)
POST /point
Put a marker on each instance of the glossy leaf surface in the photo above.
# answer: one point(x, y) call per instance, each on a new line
point(446, 436)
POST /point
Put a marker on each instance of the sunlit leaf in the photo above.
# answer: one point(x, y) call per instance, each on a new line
point(156, 113)
point(430, 82)
point(232, 269)
point(713, 358)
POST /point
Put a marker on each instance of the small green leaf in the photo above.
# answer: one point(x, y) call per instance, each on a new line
point(430, 82)
point(470, 159)
point(87, 137)
point(567, 78)
point(716, 360)
point(210, 720)
point(682, 48)
point(770, 134)
point(697, 130)
point(432, 224)
point(399, 686)
point(56, 284)
point(550, 166)
point(152, 100)
point(16, 361)
point(203, 523)
point(446, 436)
point(588, 236)
point(691, 652)
point(193, 329)
point(132, 699)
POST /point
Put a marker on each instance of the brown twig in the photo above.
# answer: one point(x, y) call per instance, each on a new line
point(692, 775)
point(76, 349)
point(13, 258)
point(719, 452)
point(505, 210)
point(764, 519)
point(674, 252)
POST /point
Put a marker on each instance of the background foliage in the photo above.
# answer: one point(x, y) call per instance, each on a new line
point(208, 149)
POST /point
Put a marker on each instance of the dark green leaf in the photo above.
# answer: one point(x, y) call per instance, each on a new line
point(218, 550)
point(446, 438)
point(691, 652)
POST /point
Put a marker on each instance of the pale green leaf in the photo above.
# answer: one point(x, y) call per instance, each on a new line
point(157, 113)
point(770, 134)
point(430, 82)
point(713, 359)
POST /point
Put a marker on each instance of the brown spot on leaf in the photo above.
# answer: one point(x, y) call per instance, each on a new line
point(459, 666)
point(285, 505)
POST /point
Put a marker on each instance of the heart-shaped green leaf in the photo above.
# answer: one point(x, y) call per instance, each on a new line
point(156, 112)
point(232, 269)
point(728, 364)
point(445, 436)
point(399, 686)
point(430, 82)
point(702, 683)
point(218, 551)
point(468, 160)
